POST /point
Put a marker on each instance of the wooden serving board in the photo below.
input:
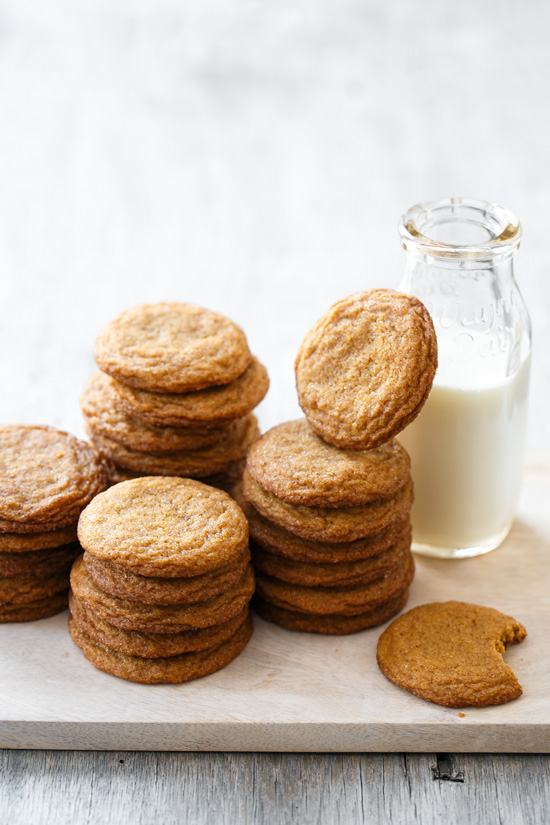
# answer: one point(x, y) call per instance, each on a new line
point(296, 691)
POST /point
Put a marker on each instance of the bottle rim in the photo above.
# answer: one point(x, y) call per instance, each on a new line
point(500, 226)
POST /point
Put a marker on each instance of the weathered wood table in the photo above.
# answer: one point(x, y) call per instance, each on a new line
point(65, 788)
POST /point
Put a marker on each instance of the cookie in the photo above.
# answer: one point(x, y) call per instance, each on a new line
point(298, 467)
point(346, 601)
point(40, 563)
point(213, 404)
point(46, 478)
point(225, 480)
point(365, 369)
point(450, 653)
point(343, 574)
point(116, 581)
point(171, 347)
point(281, 542)
point(23, 589)
point(333, 624)
point(326, 524)
point(151, 645)
point(131, 615)
point(104, 418)
point(29, 542)
point(173, 669)
point(157, 526)
point(200, 462)
point(32, 611)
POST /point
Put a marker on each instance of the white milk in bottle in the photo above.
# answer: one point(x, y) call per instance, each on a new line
point(467, 444)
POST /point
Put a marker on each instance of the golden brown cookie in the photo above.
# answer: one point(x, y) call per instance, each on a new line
point(173, 618)
point(117, 581)
point(346, 601)
point(151, 645)
point(334, 624)
point(365, 369)
point(46, 478)
point(29, 542)
point(225, 480)
point(200, 462)
point(172, 347)
point(328, 524)
point(211, 405)
point(104, 418)
point(343, 574)
point(23, 589)
point(173, 669)
point(450, 653)
point(40, 563)
point(297, 466)
point(32, 611)
point(284, 543)
point(157, 526)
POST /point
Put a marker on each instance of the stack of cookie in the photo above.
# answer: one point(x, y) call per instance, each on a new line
point(330, 528)
point(328, 498)
point(47, 477)
point(162, 591)
point(174, 396)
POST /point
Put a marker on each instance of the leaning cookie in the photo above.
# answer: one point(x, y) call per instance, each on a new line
point(450, 653)
point(365, 369)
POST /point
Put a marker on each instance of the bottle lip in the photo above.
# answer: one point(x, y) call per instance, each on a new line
point(499, 224)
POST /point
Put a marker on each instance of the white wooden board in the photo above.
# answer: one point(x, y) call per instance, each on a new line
point(296, 691)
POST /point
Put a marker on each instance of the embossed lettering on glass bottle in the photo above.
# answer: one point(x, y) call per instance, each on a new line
point(467, 443)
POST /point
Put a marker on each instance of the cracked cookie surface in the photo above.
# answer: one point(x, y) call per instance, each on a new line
point(47, 477)
point(299, 467)
point(365, 369)
point(172, 347)
point(163, 526)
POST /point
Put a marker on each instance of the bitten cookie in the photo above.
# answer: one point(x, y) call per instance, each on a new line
point(450, 653)
point(172, 347)
point(365, 369)
point(297, 466)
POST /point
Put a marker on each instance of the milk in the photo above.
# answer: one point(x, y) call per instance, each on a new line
point(466, 448)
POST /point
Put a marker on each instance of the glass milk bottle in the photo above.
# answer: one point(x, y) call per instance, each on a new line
point(467, 444)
